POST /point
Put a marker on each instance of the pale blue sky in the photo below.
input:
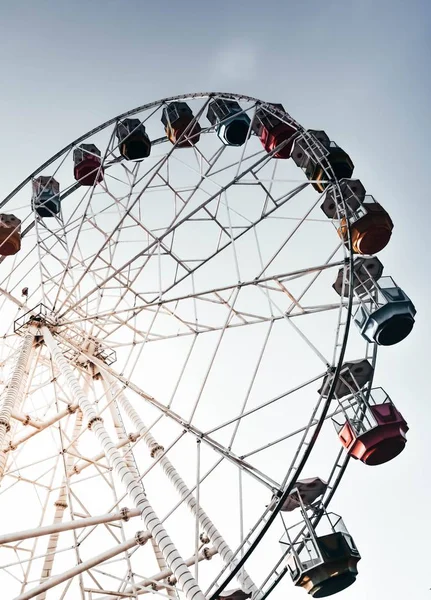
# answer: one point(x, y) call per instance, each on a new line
point(358, 69)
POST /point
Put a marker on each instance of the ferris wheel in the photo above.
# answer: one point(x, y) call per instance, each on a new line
point(191, 308)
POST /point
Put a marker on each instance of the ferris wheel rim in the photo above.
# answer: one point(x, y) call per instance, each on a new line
point(128, 113)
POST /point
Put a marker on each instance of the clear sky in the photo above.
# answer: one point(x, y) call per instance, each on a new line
point(360, 69)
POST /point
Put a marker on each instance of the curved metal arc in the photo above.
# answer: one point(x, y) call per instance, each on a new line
point(129, 113)
point(322, 417)
point(157, 103)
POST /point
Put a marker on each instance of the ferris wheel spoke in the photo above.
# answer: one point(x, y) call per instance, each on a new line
point(97, 254)
point(282, 396)
point(81, 224)
point(267, 189)
point(185, 202)
point(127, 212)
point(304, 337)
point(250, 387)
point(214, 354)
point(51, 256)
point(289, 435)
point(152, 245)
point(244, 319)
point(217, 446)
point(289, 237)
point(206, 294)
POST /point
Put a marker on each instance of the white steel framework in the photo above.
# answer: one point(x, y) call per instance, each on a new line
point(164, 337)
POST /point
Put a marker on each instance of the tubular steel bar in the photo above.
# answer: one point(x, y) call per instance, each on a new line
point(157, 451)
point(134, 487)
point(12, 393)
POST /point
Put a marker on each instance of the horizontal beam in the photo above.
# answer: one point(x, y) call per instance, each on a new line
point(140, 538)
point(25, 419)
point(26, 534)
point(201, 295)
point(41, 425)
point(87, 462)
point(205, 554)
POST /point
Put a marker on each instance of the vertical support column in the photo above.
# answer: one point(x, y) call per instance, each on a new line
point(156, 451)
point(54, 256)
point(11, 397)
point(60, 506)
point(134, 488)
point(128, 457)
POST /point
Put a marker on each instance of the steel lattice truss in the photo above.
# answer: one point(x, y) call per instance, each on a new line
point(191, 295)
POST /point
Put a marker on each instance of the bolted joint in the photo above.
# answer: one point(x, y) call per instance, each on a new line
point(5, 424)
point(155, 449)
point(141, 538)
point(206, 553)
point(204, 538)
point(133, 437)
point(125, 513)
point(11, 447)
point(94, 420)
point(60, 504)
point(72, 408)
point(172, 580)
